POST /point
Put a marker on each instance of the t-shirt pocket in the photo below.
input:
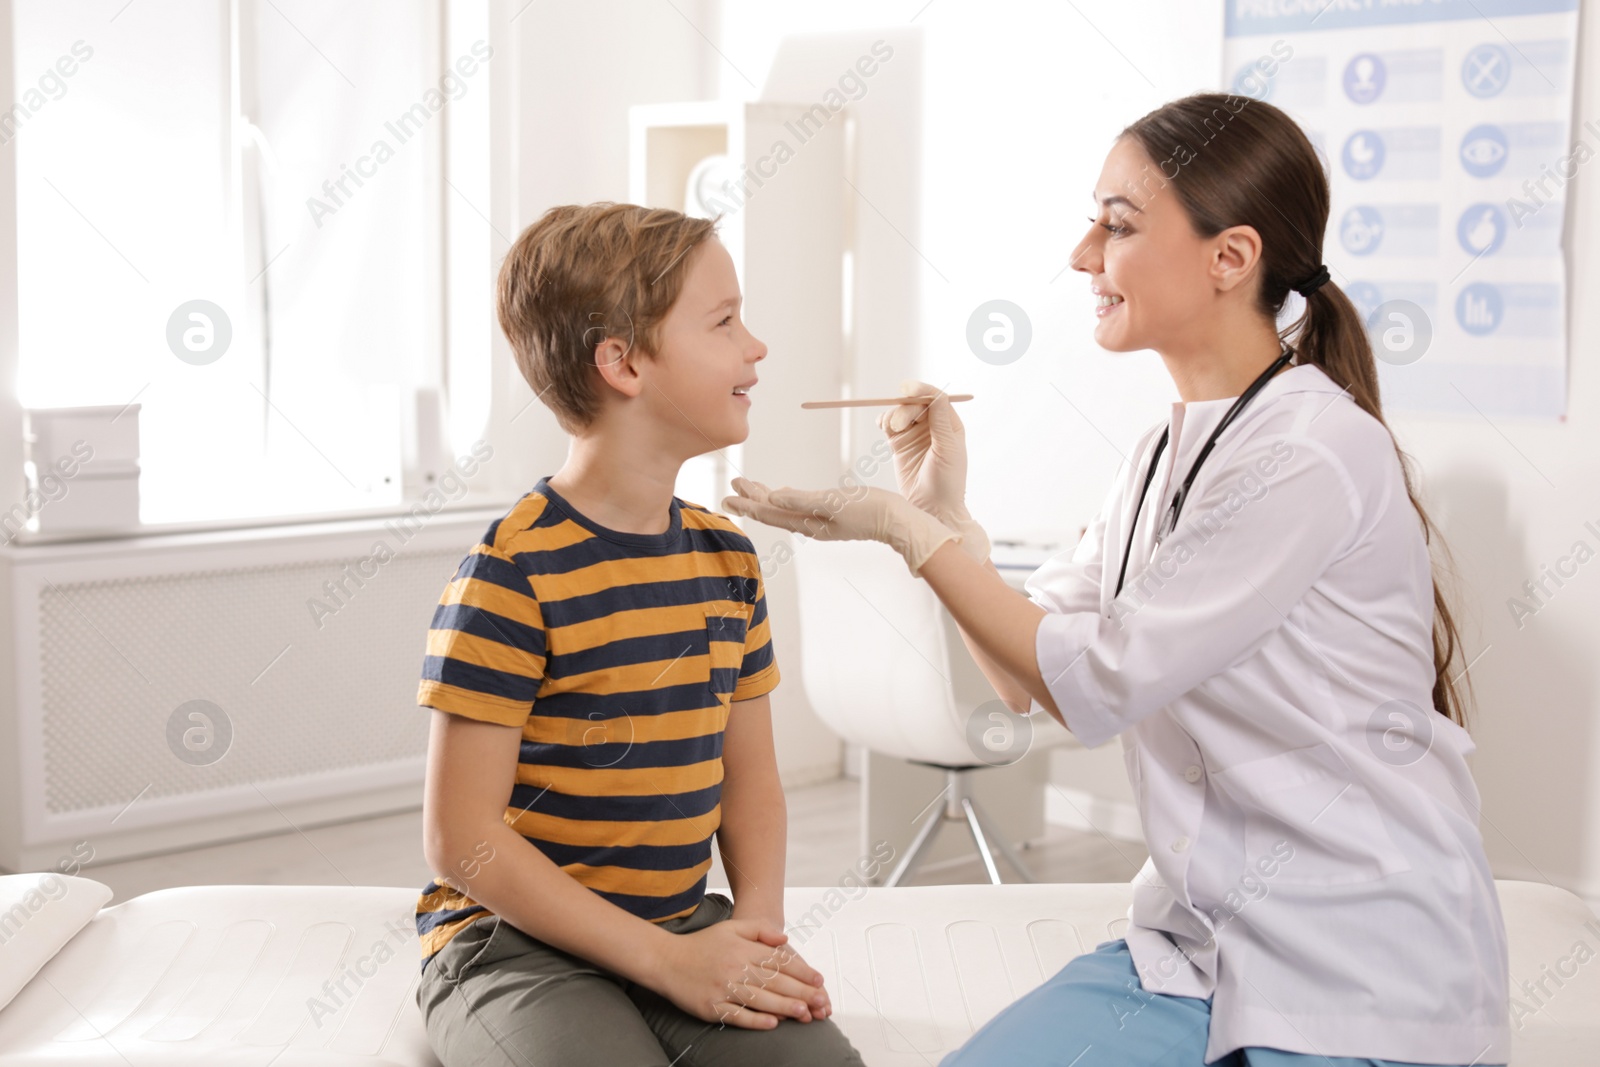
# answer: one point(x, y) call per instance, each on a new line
point(725, 636)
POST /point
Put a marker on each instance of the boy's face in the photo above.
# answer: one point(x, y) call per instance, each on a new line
point(705, 355)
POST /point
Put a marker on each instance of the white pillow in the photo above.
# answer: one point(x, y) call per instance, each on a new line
point(39, 913)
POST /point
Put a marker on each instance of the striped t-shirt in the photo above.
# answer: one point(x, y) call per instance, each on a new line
point(618, 655)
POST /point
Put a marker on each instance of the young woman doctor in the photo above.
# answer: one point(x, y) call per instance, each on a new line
point(1253, 613)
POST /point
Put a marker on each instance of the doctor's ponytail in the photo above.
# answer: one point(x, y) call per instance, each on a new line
point(1235, 161)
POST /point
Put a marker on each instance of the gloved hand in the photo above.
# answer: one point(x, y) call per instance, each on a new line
point(870, 514)
point(930, 462)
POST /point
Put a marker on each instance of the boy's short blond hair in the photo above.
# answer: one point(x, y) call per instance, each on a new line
point(582, 273)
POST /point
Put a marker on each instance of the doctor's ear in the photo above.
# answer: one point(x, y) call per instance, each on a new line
point(1236, 252)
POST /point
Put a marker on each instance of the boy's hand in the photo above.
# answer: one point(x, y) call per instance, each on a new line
point(810, 979)
point(789, 962)
point(738, 971)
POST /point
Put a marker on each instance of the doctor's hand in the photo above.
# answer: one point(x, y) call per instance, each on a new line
point(862, 514)
point(930, 461)
point(930, 449)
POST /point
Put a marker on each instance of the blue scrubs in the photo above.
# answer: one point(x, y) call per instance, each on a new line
point(1095, 1013)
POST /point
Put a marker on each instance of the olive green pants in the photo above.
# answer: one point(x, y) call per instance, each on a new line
point(495, 996)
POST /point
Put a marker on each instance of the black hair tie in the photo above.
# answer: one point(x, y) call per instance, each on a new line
point(1313, 283)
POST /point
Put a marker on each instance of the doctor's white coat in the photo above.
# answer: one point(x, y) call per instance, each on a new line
point(1315, 860)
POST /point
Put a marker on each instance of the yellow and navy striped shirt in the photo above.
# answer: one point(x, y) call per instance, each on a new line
point(618, 654)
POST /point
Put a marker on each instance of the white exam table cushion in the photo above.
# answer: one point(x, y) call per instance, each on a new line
point(232, 974)
point(39, 913)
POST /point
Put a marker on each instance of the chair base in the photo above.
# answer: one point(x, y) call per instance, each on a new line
point(959, 806)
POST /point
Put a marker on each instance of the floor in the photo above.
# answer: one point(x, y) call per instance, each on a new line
point(824, 825)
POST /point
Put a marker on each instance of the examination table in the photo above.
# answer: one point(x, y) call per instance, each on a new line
point(317, 976)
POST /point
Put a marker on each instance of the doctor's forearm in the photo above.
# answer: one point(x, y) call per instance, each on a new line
point(994, 620)
point(1009, 690)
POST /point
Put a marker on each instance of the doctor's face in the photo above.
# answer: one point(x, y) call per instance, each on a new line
point(1147, 266)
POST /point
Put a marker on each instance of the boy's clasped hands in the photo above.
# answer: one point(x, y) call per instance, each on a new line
point(740, 972)
point(930, 462)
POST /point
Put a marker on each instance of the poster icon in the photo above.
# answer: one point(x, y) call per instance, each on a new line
point(1484, 150)
point(1361, 230)
point(1479, 309)
point(1482, 229)
point(1363, 155)
point(1364, 77)
point(1486, 70)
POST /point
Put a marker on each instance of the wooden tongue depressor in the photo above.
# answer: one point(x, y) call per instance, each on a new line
point(881, 401)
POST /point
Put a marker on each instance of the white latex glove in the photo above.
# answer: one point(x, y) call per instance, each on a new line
point(930, 461)
point(870, 514)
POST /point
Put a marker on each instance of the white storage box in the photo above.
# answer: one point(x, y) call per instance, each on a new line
point(111, 432)
point(96, 500)
point(85, 467)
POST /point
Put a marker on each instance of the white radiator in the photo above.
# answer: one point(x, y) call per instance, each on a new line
point(185, 689)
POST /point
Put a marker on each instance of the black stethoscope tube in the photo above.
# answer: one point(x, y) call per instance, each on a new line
point(1170, 520)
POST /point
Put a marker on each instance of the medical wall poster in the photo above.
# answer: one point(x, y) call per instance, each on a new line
point(1446, 130)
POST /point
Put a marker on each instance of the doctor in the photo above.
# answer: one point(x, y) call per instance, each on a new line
point(1253, 614)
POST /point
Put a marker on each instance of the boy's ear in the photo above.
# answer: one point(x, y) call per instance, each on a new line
point(616, 359)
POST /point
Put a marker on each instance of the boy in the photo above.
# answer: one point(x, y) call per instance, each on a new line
point(599, 670)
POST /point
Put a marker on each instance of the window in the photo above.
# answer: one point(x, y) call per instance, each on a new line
point(290, 163)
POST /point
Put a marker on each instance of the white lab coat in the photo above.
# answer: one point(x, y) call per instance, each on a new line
point(1315, 860)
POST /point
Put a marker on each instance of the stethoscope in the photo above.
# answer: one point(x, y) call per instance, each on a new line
point(1169, 521)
